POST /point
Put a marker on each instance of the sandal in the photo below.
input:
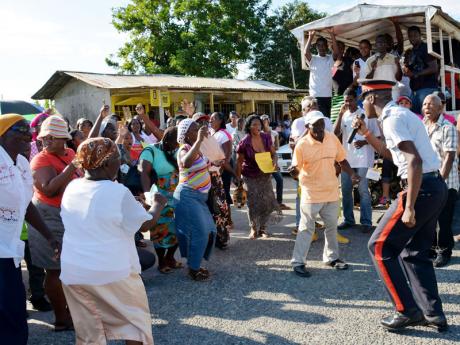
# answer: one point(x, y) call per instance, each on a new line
point(199, 275)
point(165, 269)
point(63, 327)
point(253, 234)
point(175, 264)
point(263, 233)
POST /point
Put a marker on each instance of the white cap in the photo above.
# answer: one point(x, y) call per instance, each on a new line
point(313, 116)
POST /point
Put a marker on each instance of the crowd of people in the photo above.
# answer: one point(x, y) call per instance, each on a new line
point(96, 188)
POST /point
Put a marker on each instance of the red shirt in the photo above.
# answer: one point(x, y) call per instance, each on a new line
point(46, 159)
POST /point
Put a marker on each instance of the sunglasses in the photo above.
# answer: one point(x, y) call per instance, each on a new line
point(21, 129)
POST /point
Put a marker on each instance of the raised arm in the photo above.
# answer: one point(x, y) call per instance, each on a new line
point(335, 46)
point(158, 133)
point(103, 113)
point(306, 50)
point(399, 36)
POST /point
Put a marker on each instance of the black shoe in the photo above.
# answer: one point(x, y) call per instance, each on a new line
point(344, 225)
point(301, 271)
point(337, 264)
point(441, 260)
point(41, 304)
point(366, 229)
point(439, 322)
point(400, 321)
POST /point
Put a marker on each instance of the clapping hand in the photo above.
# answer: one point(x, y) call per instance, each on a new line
point(202, 133)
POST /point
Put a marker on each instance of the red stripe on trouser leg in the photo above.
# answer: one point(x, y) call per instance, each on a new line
point(378, 253)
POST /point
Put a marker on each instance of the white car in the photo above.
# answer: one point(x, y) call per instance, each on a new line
point(284, 154)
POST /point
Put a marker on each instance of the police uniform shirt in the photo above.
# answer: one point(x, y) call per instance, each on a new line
point(400, 124)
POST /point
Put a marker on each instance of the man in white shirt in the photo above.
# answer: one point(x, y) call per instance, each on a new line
point(320, 82)
point(232, 126)
point(383, 65)
point(15, 207)
point(360, 155)
point(401, 242)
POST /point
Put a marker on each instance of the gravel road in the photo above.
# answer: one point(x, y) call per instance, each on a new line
point(254, 298)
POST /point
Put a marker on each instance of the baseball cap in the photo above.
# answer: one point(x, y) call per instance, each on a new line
point(313, 116)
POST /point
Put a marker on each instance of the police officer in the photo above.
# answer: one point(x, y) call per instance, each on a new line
point(401, 243)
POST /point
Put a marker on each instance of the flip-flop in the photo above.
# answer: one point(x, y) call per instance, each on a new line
point(63, 327)
point(165, 270)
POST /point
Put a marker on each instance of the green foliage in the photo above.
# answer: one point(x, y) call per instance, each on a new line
point(191, 37)
point(271, 60)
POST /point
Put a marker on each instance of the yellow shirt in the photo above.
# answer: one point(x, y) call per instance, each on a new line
point(315, 161)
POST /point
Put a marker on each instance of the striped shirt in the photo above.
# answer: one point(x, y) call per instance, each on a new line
point(197, 176)
point(443, 137)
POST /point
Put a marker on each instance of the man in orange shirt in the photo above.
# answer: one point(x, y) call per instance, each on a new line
point(314, 158)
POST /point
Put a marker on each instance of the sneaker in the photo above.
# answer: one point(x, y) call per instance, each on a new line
point(344, 225)
point(342, 239)
point(294, 231)
point(41, 304)
point(383, 202)
point(301, 271)
point(338, 264)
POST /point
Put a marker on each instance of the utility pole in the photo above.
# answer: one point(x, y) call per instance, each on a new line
point(292, 71)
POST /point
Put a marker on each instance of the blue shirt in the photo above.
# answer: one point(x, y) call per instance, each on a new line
point(400, 124)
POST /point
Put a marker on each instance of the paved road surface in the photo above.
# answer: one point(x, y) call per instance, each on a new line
point(254, 298)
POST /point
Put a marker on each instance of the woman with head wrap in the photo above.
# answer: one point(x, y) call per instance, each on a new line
point(15, 205)
point(52, 169)
point(100, 266)
point(195, 228)
point(36, 145)
point(159, 173)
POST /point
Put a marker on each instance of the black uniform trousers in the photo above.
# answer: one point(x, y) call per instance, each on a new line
point(13, 314)
point(444, 242)
point(401, 254)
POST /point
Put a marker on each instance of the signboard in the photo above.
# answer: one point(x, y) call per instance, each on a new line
point(155, 98)
point(165, 99)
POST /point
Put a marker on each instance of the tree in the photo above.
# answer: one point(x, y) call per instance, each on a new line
point(271, 60)
point(191, 37)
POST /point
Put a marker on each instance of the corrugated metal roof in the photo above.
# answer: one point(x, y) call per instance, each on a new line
point(156, 81)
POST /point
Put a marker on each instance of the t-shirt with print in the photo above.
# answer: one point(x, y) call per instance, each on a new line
point(363, 157)
point(417, 60)
point(320, 82)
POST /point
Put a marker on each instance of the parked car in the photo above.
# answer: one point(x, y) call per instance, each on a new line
point(284, 154)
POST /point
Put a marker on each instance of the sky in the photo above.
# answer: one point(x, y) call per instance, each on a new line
point(38, 38)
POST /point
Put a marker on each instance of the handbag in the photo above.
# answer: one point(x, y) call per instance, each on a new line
point(133, 177)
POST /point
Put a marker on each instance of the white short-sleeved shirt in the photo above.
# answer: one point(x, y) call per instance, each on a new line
point(298, 127)
point(221, 137)
point(320, 82)
point(230, 129)
point(100, 219)
point(363, 157)
point(400, 124)
point(15, 194)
